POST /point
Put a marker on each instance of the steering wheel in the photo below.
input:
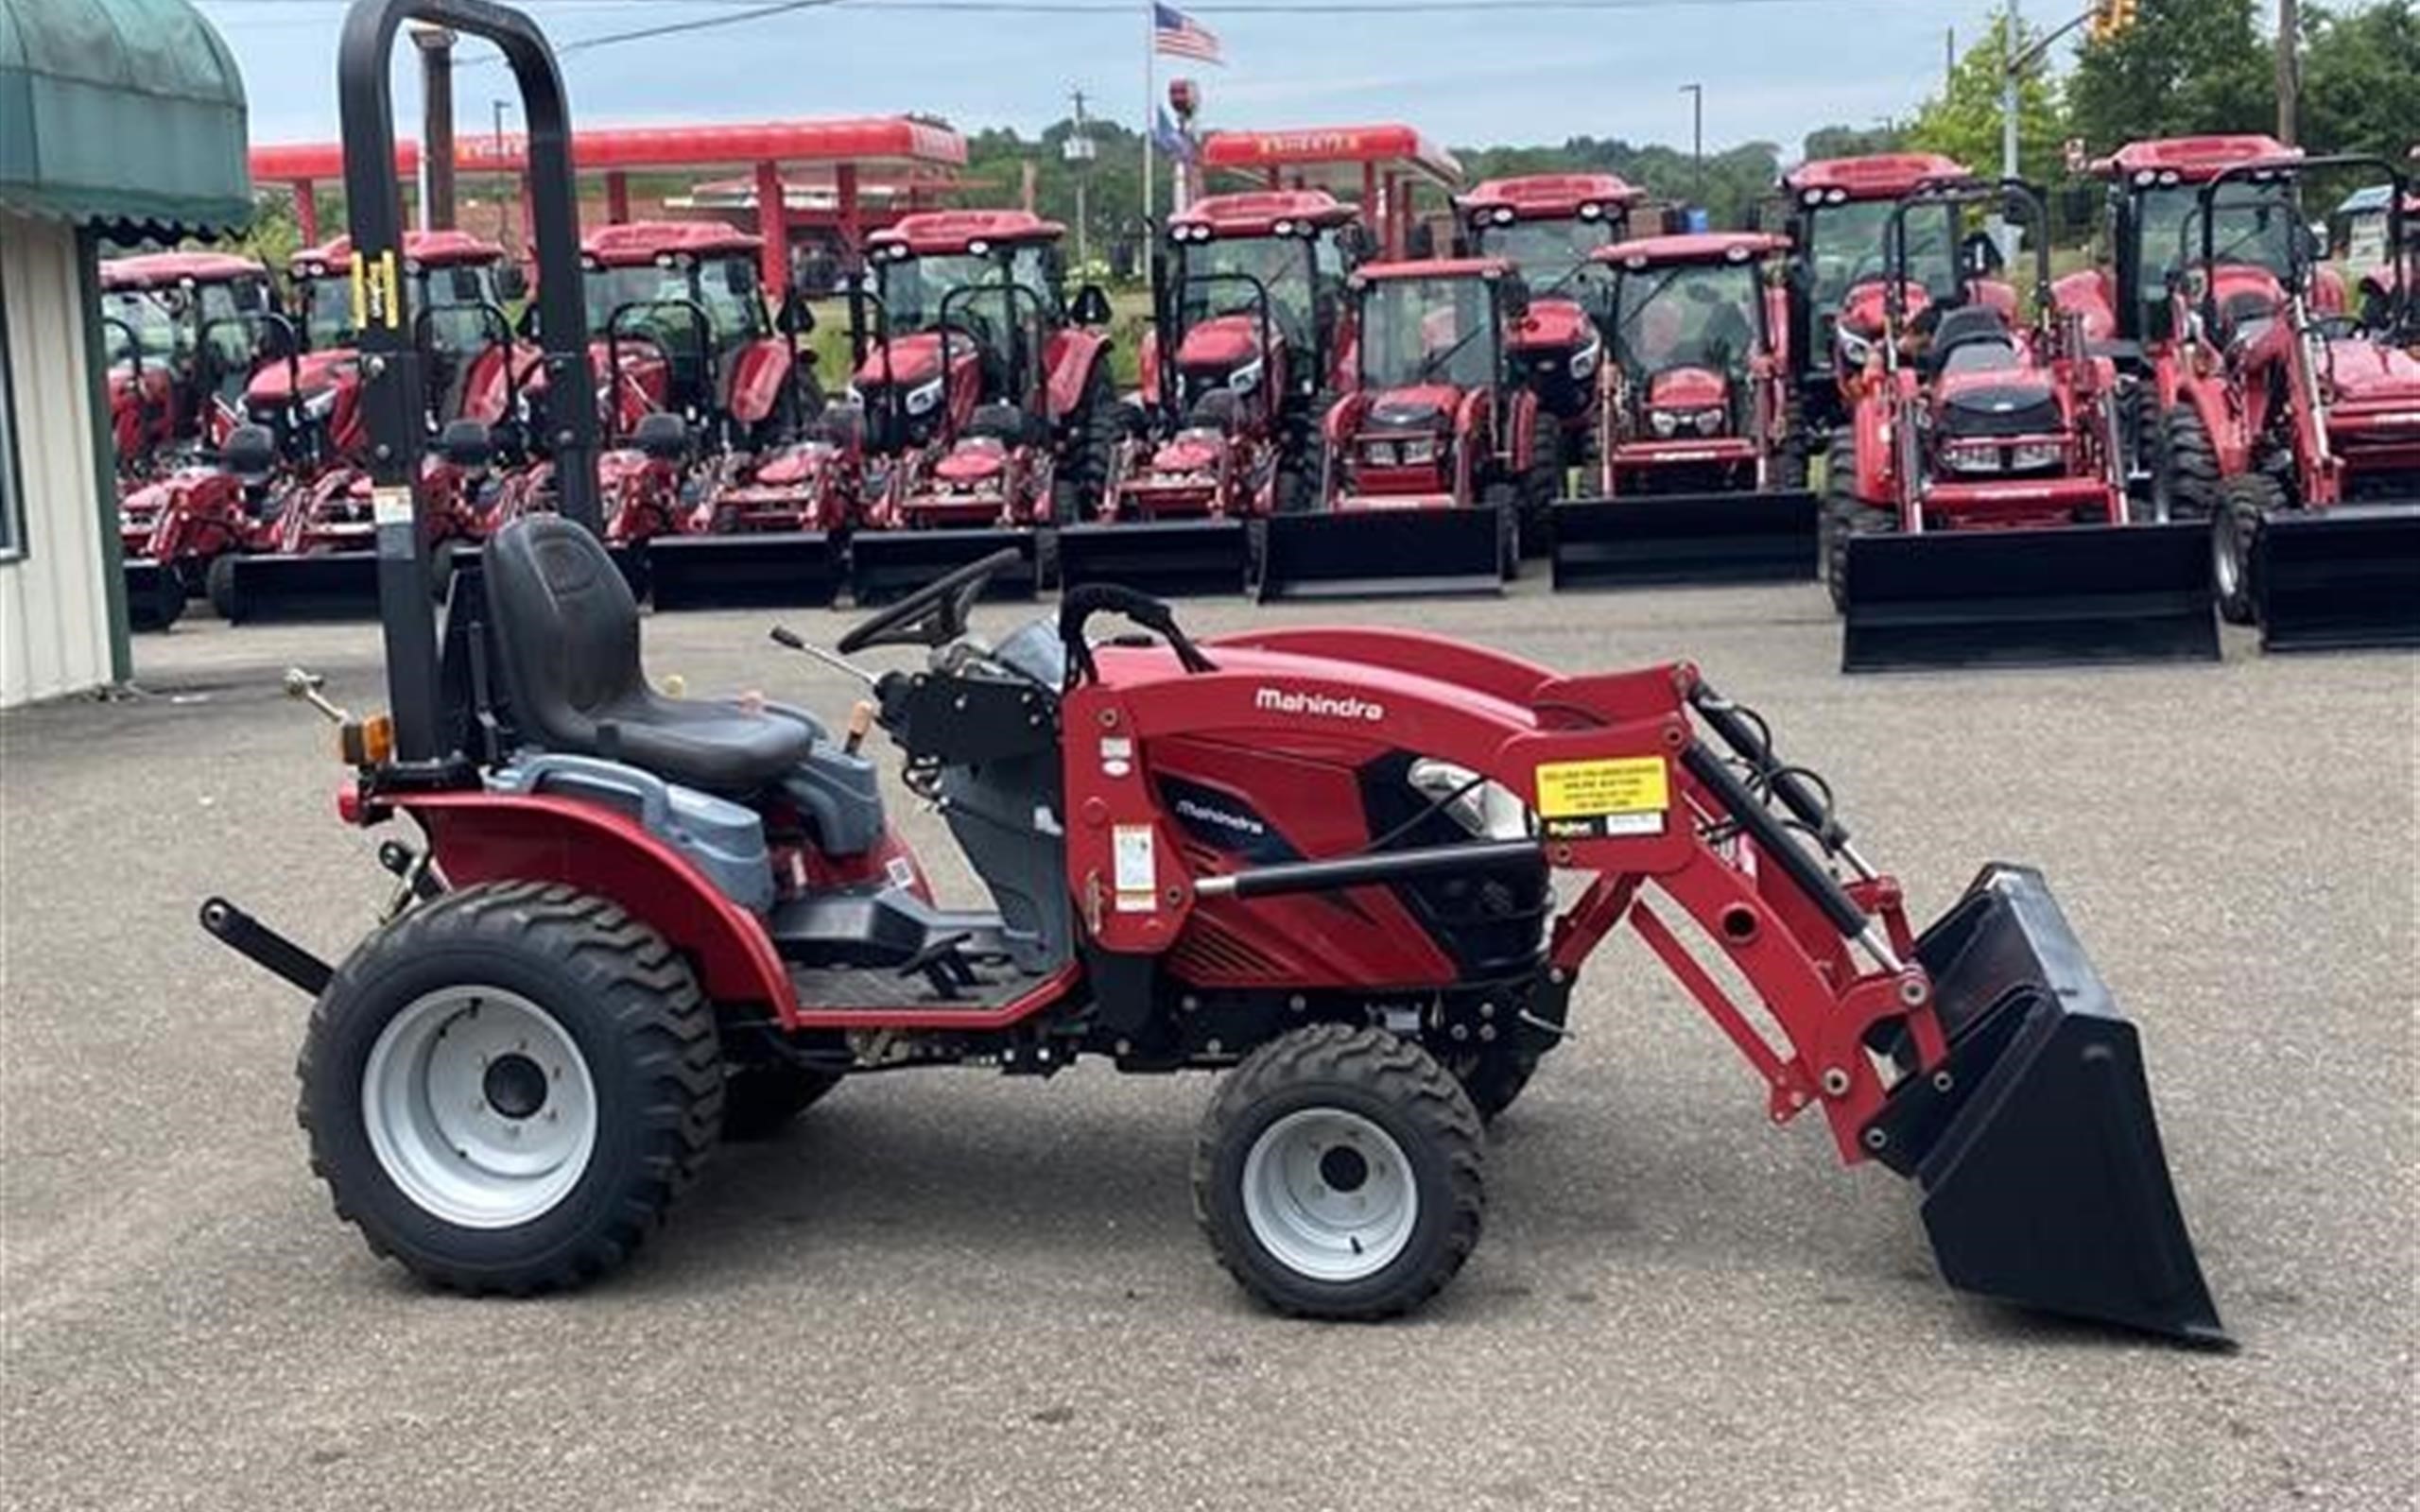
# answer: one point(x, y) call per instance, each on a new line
point(935, 614)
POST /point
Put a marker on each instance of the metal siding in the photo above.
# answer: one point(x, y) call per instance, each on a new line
point(54, 619)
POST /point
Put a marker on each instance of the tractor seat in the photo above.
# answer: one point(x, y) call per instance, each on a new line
point(1981, 332)
point(567, 633)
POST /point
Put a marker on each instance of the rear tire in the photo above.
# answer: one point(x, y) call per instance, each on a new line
point(1095, 432)
point(218, 584)
point(163, 606)
point(506, 1089)
point(1542, 484)
point(1340, 1174)
point(2185, 468)
point(2243, 501)
point(1846, 517)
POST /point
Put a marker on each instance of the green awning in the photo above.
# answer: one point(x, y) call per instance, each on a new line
point(125, 114)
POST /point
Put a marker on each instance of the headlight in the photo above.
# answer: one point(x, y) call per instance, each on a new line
point(1246, 378)
point(1664, 422)
point(1487, 810)
point(2026, 458)
point(1584, 362)
point(1709, 421)
point(926, 398)
point(1971, 458)
point(1855, 349)
point(1379, 453)
point(1417, 454)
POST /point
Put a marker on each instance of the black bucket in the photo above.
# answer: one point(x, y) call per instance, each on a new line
point(763, 570)
point(2035, 1144)
point(1684, 538)
point(2051, 597)
point(1166, 558)
point(887, 565)
point(2341, 578)
point(310, 586)
point(1384, 554)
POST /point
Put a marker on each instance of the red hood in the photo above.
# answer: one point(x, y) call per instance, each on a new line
point(2366, 372)
point(1220, 344)
point(1553, 325)
point(2243, 281)
point(1861, 311)
point(1688, 388)
point(910, 361)
point(1394, 407)
point(318, 371)
point(2013, 382)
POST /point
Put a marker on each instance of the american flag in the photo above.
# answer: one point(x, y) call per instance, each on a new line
point(1179, 35)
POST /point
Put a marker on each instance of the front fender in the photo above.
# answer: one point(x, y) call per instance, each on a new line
point(757, 379)
point(483, 836)
point(1073, 356)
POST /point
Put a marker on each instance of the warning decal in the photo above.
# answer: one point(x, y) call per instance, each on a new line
point(375, 295)
point(1617, 796)
point(1133, 863)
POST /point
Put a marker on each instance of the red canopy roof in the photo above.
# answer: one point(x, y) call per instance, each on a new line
point(894, 143)
point(1707, 247)
point(641, 242)
point(1881, 176)
point(944, 232)
point(430, 248)
point(2192, 159)
point(1552, 196)
point(1388, 148)
point(159, 270)
point(1435, 267)
point(1256, 213)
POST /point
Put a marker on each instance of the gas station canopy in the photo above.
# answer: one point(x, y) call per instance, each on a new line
point(1379, 165)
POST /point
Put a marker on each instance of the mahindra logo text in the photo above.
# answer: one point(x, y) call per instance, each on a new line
point(1279, 701)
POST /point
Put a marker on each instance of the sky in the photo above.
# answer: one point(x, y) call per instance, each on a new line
point(1773, 69)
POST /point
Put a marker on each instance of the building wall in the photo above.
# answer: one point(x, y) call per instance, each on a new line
point(54, 612)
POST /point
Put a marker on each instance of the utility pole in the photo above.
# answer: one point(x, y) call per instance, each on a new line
point(2290, 71)
point(2011, 74)
point(505, 195)
point(436, 45)
point(1697, 136)
point(1948, 58)
point(1079, 158)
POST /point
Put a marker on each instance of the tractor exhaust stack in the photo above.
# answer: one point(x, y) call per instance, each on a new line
point(1695, 538)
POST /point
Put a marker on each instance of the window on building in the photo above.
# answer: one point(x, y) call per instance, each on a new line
point(13, 515)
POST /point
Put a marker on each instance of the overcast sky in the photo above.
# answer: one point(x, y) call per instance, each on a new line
point(1773, 69)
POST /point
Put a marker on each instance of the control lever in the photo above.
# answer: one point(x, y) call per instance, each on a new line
point(784, 636)
point(860, 721)
point(305, 687)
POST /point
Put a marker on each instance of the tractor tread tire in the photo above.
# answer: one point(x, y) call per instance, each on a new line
point(1845, 516)
point(1083, 469)
point(2243, 501)
point(1392, 1082)
point(2186, 465)
point(219, 585)
point(615, 985)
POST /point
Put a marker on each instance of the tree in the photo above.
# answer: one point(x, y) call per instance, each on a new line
point(1963, 120)
point(2362, 79)
point(2186, 66)
point(1848, 142)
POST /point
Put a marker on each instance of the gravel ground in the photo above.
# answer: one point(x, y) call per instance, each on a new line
point(952, 1290)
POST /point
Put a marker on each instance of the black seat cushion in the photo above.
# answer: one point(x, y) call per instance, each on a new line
point(567, 633)
point(1969, 325)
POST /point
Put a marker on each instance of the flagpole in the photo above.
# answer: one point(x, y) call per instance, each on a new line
point(1151, 116)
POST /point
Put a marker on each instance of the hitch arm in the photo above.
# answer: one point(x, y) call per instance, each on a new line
point(265, 947)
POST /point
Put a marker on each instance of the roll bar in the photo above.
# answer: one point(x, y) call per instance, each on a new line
point(1175, 325)
point(2011, 194)
point(2290, 171)
point(390, 362)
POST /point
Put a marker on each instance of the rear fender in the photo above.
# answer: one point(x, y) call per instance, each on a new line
point(1148, 368)
point(478, 838)
point(1874, 470)
point(758, 376)
point(1072, 355)
point(2087, 294)
point(2222, 422)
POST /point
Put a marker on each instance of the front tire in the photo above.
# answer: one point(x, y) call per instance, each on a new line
point(506, 1089)
point(2243, 501)
point(1340, 1174)
point(1846, 517)
point(2185, 468)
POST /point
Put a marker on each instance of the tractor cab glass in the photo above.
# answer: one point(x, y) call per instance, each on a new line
point(1549, 253)
point(1286, 265)
point(1845, 248)
point(167, 323)
point(655, 299)
point(1421, 331)
point(1697, 315)
point(445, 300)
point(2252, 225)
point(913, 288)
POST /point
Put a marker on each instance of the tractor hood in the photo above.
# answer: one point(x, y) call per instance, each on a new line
point(1553, 325)
point(1998, 404)
point(910, 361)
point(2366, 372)
point(1688, 388)
point(1861, 308)
point(1220, 344)
point(316, 371)
point(1426, 407)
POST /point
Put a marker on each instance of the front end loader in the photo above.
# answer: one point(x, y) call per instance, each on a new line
point(1432, 459)
point(1976, 511)
point(1701, 478)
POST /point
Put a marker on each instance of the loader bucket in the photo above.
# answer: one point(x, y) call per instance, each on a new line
point(769, 569)
point(885, 565)
point(2030, 598)
point(1684, 538)
point(155, 594)
point(2339, 578)
point(1383, 554)
point(1166, 558)
point(327, 585)
point(2036, 1148)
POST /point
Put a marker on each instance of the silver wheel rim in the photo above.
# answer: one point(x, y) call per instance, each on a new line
point(1329, 1194)
point(480, 1107)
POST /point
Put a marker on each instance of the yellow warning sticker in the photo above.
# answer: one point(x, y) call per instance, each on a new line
point(1586, 790)
point(374, 301)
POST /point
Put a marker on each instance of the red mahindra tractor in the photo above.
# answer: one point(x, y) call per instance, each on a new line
point(1319, 861)
point(1838, 210)
point(177, 331)
point(1700, 477)
point(1975, 510)
point(985, 404)
point(2311, 420)
point(1436, 455)
point(315, 559)
point(1250, 343)
point(1551, 226)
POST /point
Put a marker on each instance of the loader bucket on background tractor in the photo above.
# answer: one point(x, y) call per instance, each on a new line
point(1684, 538)
point(769, 569)
point(1162, 557)
point(323, 585)
point(2049, 597)
point(1383, 554)
point(2034, 1141)
point(2341, 578)
point(885, 565)
point(155, 594)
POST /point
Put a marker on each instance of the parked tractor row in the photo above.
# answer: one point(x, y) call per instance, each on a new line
point(2064, 471)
